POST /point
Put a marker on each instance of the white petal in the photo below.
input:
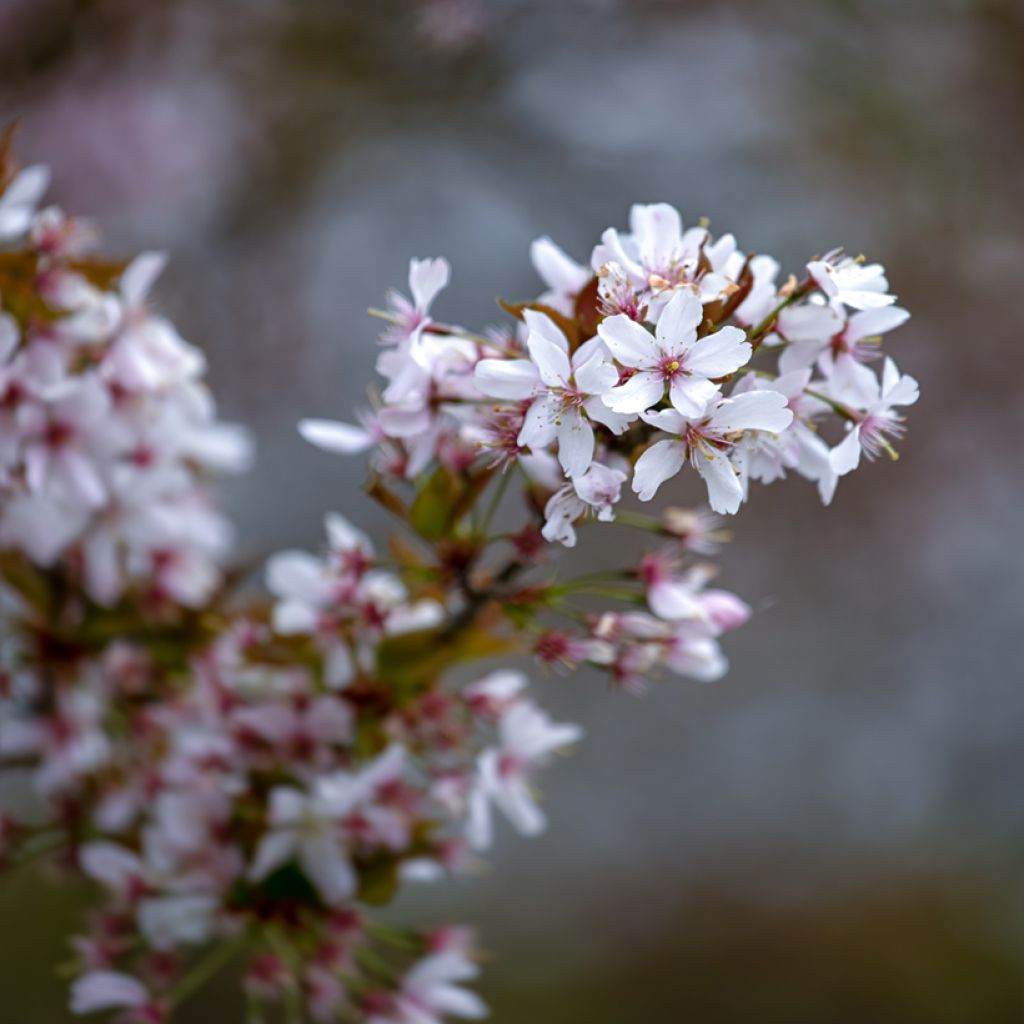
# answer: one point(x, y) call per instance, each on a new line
point(426, 279)
point(343, 536)
point(680, 319)
point(595, 375)
point(513, 379)
point(720, 353)
point(575, 443)
point(665, 419)
point(725, 492)
point(274, 850)
point(637, 395)
point(556, 269)
point(139, 276)
point(551, 360)
point(335, 437)
point(873, 322)
point(106, 990)
point(845, 457)
point(659, 463)
point(328, 869)
point(657, 228)
point(294, 574)
point(538, 430)
point(690, 396)
point(542, 324)
point(630, 343)
point(753, 410)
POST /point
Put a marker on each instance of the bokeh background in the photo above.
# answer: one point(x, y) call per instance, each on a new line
point(835, 833)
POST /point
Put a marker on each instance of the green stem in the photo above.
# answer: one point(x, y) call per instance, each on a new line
point(756, 333)
point(838, 408)
point(638, 520)
point(495, 502)
point(206, 969)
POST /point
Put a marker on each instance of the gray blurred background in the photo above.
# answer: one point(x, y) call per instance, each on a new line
point(835, 832)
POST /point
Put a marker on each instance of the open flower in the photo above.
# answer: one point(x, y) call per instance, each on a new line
point(565, 393)
point(527, 739)
point(427, 278)
point(706, 444)
point(673, 358)
point(876, 420)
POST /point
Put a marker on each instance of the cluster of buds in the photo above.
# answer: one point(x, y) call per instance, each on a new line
point(245, 780)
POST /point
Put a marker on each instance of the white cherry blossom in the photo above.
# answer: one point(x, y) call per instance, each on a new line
point(706, 444)
point(673, 358)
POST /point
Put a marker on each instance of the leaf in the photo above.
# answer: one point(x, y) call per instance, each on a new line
point(378, 880)
point(444, 500)
point(412, 661)
point(717, 313)
point(433, 508)
point(28, 581)
point(103, 273)
point(8, 165)
point(588, 309)
point(387, 498)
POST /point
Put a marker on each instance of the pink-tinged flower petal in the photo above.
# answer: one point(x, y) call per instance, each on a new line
point(668, 420)
point(657, 228)
point(551, 360)
point(295, 574)
point(872, 322)
point(679, 321)
point(328, 868)
point(28, 186)
point(274, 850)
point(897, 390)
point(659, 463)
point(638, 394)
point(753, 410)
point(512, 379)
point(725, 492)
point(539, 428)
point(557, 270)
point(596, 375)
point(720, 353)
point(845, 457)
point(107, 990)
point(140, 275)
point(690, 396)
point(575, 443)
point(426, 279)
point(674, 599)
point(543, 325)
point(628, 342)
point(336, 437)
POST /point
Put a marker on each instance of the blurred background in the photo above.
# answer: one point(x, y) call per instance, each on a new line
point(834, 834)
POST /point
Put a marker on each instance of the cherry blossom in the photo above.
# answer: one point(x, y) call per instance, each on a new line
point(875, 420)
point(673, 358)
point(706, 444)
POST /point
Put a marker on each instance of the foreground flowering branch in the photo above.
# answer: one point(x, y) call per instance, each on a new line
point(246, 780)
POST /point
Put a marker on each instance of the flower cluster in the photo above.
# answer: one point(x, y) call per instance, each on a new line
point(672, 348)
point(246, 779)
point(107, 432)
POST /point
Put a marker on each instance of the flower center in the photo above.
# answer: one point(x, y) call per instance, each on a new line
point(670, 367)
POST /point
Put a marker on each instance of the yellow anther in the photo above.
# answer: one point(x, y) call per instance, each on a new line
point(674, 365)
